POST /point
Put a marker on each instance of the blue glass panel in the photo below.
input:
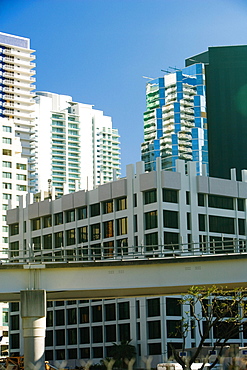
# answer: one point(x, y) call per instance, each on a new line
point(177, 127)
point(199, 90)
point(197, 100)
point(198, 122)
point(197, 111)
point(179, 86)
point(161, 82)
point(174, 139)
point(199, 68)
point(180, 96)
point(177, 117)
point(199, 80)
point(159, 113)
point(176, 107)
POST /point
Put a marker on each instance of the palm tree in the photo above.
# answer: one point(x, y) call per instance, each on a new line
point(122, 351)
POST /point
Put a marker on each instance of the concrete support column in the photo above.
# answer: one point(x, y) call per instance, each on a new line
point(33, 313)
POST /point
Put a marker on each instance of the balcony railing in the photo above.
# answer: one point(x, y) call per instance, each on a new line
point(38, 253)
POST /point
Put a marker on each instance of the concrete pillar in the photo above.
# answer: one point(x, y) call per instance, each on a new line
point(33, 313)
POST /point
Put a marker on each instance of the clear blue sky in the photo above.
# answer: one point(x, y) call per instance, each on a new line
point(98, 50)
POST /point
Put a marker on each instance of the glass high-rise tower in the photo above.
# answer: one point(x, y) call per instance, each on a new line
point(175, 122)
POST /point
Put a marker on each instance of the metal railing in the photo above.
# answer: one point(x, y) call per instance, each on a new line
point(101, 252)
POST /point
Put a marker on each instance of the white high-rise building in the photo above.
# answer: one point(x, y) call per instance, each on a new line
point(16, 85)
point(16, 122)
point(76, 146)
point(16, 127)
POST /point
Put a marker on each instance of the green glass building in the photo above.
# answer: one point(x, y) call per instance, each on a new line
point(226, 103)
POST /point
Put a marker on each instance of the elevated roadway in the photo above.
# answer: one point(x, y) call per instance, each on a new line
point(126, 278)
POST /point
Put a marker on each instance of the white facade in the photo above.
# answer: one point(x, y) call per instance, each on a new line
point(76, 146)
point(16, 85)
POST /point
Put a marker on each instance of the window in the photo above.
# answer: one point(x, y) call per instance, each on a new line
point(49, 338)
point(150, 196)
point(202, 222)
point(14, 322)
point(241, 226)
point(155, 348)
point(217, 201)
point(122, 226)
point(173, 307)
point(154, 330)
point(95, 232)
point(59, 317)
point(6, 185)
point(174, 328)
point(241, 203)
point(108, 229)
point(7, 152)
point(170, 195)
point(123, 311)
point(47, 241)
point(7, 175)
point(97, 313)
point(6, 140)
point(21, 177)
point(47, 221)
point(84, 335)
point(97, 352)
point(7, 196)
point(6, 164)
point(97, 334)
point(7, 128)
point(14, 229)
point(36, 242)
point(121, 203)
point(60, 337)
point(35, 224)
point(21, 166)
point(151, 239)
point(221, 224)
point(200, 200)
point(153, 307)
point(110, 333)
point(58, 218)
point(85, 353)
point(21, 187)
point(151, 220)
point(58, 239)
point(110, 312)
point(71, 316)
point(82, 234)
point(171, 238)
point(82, 213)
point(70, 237)
point(170, 219)
point(95, 210)
point(124, 332)
point(5, 229)
point(107, 206)
point(70, 215)
point(84, 315)
point(49, 318)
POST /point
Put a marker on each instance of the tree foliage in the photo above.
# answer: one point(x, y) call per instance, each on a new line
point(122, 351)
point(211, 309)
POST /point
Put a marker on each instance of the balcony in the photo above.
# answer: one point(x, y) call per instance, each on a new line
point(19, 54)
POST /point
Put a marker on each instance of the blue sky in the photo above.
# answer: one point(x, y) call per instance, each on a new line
point(98, 50)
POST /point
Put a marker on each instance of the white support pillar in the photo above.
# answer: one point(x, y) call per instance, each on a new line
point(33, 313)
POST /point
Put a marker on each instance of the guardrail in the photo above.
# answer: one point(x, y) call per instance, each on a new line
point(103, 252)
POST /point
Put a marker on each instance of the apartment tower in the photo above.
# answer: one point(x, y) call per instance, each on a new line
point(175, 122)
point(82, 149)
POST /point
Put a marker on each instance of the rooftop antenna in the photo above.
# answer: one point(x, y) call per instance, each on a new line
point(175, 68)
point(149, 78)
point(49, 188)
point(163, 70)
